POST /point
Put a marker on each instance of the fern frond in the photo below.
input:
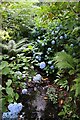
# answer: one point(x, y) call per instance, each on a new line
point(21, 43)
point(64, 60)
point(3, 46)
point(76, 86)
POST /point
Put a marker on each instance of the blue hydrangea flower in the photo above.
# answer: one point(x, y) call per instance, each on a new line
point(49, 62)
point(37, 78)
point(15, 108)
point(61, 37)
point(42, 65)
point(24, 91)
point(9, 116)
point(49, 49)
point(52, 67)
point(53, 42)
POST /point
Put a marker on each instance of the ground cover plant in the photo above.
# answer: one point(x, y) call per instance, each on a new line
point(40, 60)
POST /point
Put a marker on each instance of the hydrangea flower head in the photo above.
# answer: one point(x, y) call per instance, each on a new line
point(15, 108)
point(37, 78)
point(49, 49)
point(61, 37)
point(53, 42)
point(9, 116)
point(52, 67)
point(24, 91)
point(42, 65)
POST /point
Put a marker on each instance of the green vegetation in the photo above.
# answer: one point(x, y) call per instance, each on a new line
point(41, 38)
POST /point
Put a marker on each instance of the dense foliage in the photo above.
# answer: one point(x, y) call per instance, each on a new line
point(41, 38)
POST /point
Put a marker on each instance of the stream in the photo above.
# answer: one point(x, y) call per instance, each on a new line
point(37, 106)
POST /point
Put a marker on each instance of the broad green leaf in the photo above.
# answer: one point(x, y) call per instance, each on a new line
point(4, 64)
point(5, 71)
point(10, 98)
point(16, 96)
point(9, 91)
point(8, 83)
